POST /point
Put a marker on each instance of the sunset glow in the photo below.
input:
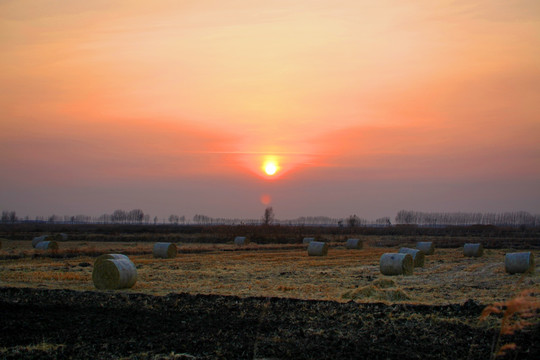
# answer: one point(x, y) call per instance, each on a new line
point(270, 168)
point(337, 108)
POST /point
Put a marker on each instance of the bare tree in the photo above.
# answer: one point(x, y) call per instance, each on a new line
point(268, 217)
point(119, 216)
point(384, 221)
point(135, 216)
point(353, 221)
point(173, 219)
point(55, 219)
point(9, 216)
point(202, 219)
point(104, 218)
point(5, 216)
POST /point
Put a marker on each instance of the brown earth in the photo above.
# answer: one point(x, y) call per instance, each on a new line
point(64, 324)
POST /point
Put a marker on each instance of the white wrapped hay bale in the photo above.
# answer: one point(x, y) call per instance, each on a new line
point(241, 240)
point(396, 264)
point(307, 240)
point(426, 246)
point(317, 248)
point(112, 274)
point(164, 250)
point(417, 255)
point(520, 262)
point(47, 245)
point(38, 239)
point(473, 250)
point(354, 244)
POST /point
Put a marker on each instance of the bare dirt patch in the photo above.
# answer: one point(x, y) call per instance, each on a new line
point(64, 324)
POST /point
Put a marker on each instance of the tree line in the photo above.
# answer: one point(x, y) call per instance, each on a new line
point(517, 218)
point(403, 217)
point(135, 216)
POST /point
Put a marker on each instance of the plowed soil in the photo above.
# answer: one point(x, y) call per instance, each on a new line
point(64, 324)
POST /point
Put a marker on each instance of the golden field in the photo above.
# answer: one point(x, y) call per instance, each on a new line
point(272, 270)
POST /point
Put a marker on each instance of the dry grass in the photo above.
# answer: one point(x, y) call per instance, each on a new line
point(382, 289)
point(517, 314)
point(42, 347)
point(274, 270)
point(384, 283)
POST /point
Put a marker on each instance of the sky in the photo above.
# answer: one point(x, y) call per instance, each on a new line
point(362, 107)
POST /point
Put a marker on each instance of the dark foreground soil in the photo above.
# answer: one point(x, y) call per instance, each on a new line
point(63, 324)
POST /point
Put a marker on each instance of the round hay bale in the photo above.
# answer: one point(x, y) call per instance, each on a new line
point(241, 240)
point(104, 257)
point(396, 264)
point(473, 250)
point(307, 240)
point(354, 244)
point(317, 248)
point(112, 274)
point(164, 250)
point(417, 255)
point(519, 262)
point(426, 246)
point(38, 239)
point(47, 245)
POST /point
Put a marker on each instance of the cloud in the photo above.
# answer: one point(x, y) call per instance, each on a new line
point(460, 149)
point(76, 152)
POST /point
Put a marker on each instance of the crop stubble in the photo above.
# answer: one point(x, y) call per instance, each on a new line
point(448, 276)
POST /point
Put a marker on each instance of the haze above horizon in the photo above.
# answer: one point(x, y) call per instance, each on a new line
point(311, 107)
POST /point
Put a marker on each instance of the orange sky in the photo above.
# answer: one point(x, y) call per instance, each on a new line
point(173, 106)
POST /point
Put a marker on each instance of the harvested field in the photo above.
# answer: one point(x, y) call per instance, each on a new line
point(266, 270)
point(258, 301)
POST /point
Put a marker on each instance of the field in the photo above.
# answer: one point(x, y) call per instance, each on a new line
point(270, 300)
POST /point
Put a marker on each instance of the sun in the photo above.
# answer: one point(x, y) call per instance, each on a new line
point(270, 168)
